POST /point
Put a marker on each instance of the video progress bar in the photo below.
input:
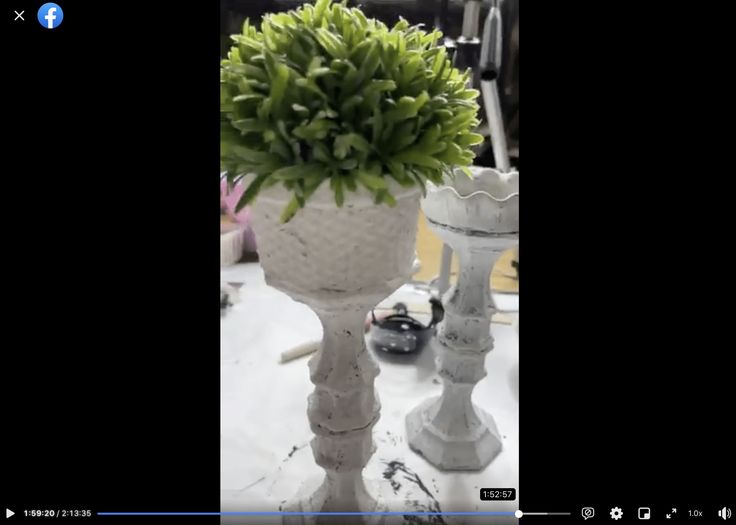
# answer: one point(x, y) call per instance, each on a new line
point(520, 514)
point(274, 513)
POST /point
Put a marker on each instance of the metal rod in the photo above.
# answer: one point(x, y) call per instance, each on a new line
point(490, 65)
point(492, 103)
point(443, 282)
point(471, 18)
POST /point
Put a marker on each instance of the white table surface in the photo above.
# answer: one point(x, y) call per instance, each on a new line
point(265, 453)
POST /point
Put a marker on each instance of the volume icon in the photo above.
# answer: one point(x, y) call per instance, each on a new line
point(724, 513)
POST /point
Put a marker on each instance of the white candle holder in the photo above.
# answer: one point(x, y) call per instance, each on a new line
point(479, 218)
point(340, 262)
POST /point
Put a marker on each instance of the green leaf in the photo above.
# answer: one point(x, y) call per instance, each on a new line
point(430, 137)
point(250, 192)
point(252, 156)
point(255, 84)
point(310, 85)
point(407, 107)
point(377, 125)
point(420, 182)
point(319, 72)
point(325, 113)
point(453, 154)
point(462, 120)
point(317, 129)
point(278, 84)
point(371, 62)
point(400, 137)
point(372, 182)
point(412, 156)
point(332, 43)
point(344, 143)
point(298, 187)
point(349, 181)
point(254, 72)
point(381, 85)
point(289, 173)
point(249, 97)
point(300, 110)
point(383, 196)
point(469, 94)
point(319, 9)
point(469, 139)
point(322, 153)
point(250, 125)
point(312, 182)
point(337, 187)
point(307, 14)
point(435, 148)
point(350, 103)
point(315, 63)
point(399, 173)
point(290, 210)
point(348, 164)
point(358, 54)
point(358, 14)
point(281, 148)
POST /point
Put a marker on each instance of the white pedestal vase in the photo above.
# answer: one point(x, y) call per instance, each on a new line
point(340, 262)
point(478, 218)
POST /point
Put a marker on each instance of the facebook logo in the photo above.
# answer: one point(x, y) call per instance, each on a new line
point(50, 15)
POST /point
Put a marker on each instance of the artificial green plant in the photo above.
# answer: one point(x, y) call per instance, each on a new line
point(324, 93)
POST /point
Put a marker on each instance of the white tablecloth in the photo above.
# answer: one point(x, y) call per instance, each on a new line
point(265, 453)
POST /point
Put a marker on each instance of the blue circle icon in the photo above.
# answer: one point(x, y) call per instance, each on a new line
point(50, 15)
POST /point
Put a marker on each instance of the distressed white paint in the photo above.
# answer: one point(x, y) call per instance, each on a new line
point(265, 453)
point(340, 262)
point(478, 217)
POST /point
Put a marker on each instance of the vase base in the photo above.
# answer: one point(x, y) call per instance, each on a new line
point(307, 500)
point(452, 452)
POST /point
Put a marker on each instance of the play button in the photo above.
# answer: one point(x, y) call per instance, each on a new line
point(8, 513)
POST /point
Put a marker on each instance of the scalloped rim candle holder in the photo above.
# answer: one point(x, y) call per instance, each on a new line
point(479, 218)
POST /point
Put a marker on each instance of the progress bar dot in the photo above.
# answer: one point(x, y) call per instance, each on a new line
point(518, 514)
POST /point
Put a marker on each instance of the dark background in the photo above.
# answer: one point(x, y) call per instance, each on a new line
point(110, 361)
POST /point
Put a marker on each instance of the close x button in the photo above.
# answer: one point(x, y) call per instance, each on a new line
point(19, 16)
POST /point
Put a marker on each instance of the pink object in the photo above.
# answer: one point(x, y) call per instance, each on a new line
point(228, 201)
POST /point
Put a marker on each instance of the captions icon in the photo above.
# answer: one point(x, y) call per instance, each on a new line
point(587, 512)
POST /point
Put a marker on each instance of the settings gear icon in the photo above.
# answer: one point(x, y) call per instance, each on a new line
point(616, 513)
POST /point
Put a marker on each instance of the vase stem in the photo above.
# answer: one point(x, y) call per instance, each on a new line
point(449, 431)
point(343, 408)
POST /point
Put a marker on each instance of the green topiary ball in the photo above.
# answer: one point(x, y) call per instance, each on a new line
point(323, 93)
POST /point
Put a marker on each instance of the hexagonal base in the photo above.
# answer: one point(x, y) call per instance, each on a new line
point(452, 452)
point(309, 500)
